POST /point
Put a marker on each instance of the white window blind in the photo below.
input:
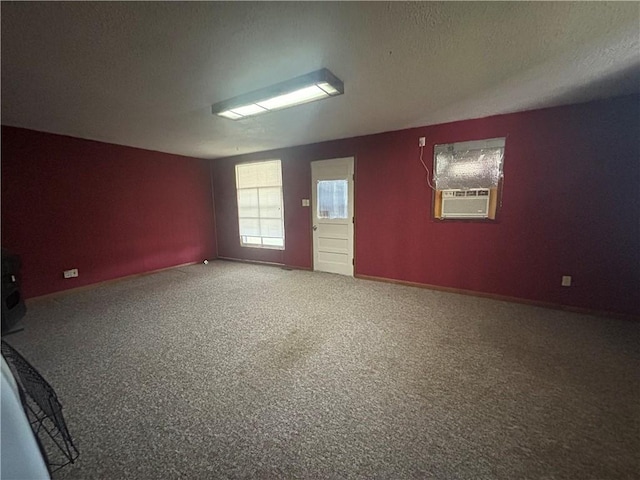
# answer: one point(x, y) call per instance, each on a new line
point(260, 204)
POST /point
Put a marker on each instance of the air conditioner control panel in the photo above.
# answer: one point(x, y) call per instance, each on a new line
point(470, 192)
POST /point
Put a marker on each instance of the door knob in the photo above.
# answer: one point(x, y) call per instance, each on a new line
point(315, 227)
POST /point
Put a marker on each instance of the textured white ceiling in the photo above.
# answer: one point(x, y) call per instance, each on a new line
point(145, 74)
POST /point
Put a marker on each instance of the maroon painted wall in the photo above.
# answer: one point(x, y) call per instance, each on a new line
point(108, 210)
point(571, 206)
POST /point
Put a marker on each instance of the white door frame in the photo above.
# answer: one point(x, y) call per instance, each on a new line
point(333, 240)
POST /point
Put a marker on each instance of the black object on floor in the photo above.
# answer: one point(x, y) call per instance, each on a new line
point(43, 410)
point(13, 307)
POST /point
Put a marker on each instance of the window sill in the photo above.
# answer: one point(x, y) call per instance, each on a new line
point(261, 247)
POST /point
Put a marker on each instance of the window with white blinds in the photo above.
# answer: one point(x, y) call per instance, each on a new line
point(260, 205)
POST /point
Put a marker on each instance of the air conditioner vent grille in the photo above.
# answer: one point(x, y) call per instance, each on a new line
point(468, 203)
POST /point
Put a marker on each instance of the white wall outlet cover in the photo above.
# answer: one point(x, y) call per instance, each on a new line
point(422, 141)
point(71, 273)
point(305, 202)
point(566, 280)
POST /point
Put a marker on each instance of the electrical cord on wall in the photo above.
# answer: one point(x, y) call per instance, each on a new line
point(426, 168)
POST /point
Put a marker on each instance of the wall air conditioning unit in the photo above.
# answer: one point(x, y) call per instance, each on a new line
point(465, 203)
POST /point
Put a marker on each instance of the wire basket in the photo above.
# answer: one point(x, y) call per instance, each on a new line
point(43, 410)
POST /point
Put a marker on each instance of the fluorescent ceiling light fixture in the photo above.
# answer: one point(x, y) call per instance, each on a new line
point(297, 91)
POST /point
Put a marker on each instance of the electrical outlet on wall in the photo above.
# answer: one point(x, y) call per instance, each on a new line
point(71, 273)
point(422, 141)
point(566, 280)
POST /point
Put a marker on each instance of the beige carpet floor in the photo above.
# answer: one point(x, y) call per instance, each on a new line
point(230, 370)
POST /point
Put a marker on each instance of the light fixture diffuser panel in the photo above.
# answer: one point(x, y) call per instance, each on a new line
point(327, 87)
point(304, 95)
point(248, 110)
point(229, 114)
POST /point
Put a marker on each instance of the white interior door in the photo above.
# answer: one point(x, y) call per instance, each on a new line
point(332, 205)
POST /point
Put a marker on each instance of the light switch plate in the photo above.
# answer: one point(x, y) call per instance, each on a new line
point(566, 280)
point(305, 202)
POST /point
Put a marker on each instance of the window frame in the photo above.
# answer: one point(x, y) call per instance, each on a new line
point(257, 188)
point(495, 192)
